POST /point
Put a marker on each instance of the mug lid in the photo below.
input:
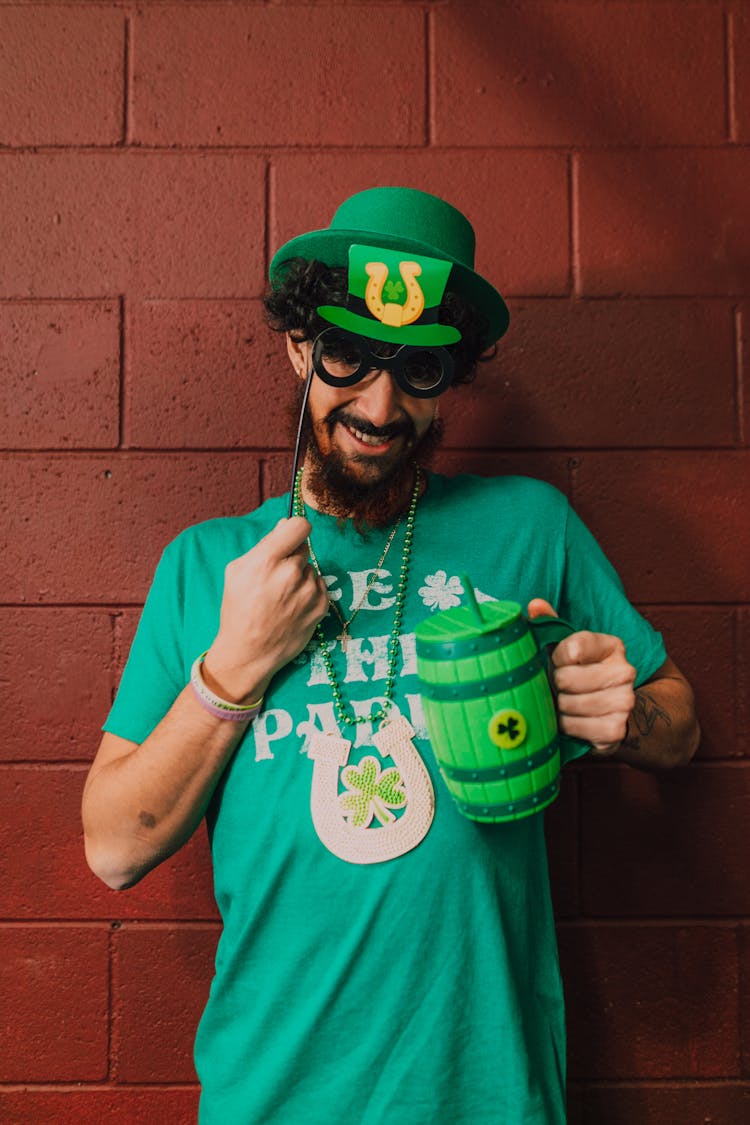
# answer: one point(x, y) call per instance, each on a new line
point(461, 624)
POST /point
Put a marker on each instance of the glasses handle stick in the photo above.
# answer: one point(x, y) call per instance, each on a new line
point(297, 443)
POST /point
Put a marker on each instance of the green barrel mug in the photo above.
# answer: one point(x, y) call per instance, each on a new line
point(488, 707)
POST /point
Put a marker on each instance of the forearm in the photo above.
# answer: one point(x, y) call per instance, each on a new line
point(662, 730)
point(140, 807)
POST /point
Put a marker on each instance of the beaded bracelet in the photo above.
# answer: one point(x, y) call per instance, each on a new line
point(220, 708)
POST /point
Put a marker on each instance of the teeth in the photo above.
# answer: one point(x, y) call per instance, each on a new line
point(368, 439)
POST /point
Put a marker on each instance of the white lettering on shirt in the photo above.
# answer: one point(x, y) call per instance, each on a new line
point(320, 717)
point(269, 726)
point(318, 674)
point(416, 715)
point(331, 580)
point(360, 580)
point(408, 655)
point(357, 657)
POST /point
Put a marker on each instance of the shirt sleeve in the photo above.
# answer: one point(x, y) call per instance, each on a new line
point(153, 675)
point(593, 598)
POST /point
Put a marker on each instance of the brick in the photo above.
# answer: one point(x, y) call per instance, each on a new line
point(674, 524)
point(128, 506)
point(697, 1104)
point(124, 1106)
point(561, 827)
point(587, 373)
point(227, 76)
point(664, 222)
point(62, 656)
point(161, 987)
point(54, 981)
point(517, 203)
point(551, 467)
point(59, 375)
point(650, 1001)
point(740, 40)
point(574, 1107)
point(208, 373)
point(745, 998)
point(154, 224)
point(701, 641)
point(670, 844)
point(61, 76)
point(553, 74)
point(51, 879)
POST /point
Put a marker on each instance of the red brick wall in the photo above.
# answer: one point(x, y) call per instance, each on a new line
point(151, 156)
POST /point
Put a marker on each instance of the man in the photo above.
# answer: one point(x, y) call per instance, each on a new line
point(382, 954)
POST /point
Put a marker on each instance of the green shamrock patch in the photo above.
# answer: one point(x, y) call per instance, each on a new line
point(371, 792)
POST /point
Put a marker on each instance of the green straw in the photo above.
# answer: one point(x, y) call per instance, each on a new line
point(473, 603)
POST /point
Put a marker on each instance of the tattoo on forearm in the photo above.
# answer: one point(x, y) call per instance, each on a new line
point(646, 714)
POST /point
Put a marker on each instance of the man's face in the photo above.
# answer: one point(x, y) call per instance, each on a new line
point(370, 428)
point(363, 441)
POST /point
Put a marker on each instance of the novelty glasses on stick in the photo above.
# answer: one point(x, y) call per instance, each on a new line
point(342, 359)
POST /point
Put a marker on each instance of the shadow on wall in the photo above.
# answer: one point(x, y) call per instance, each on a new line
point(649, 997)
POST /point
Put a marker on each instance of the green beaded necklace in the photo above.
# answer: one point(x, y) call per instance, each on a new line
point(338, 699)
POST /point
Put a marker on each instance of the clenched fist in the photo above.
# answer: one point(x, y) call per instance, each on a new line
point(273, 599)
point(594, 684)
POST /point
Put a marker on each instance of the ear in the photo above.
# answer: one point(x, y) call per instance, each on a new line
point(299, 354)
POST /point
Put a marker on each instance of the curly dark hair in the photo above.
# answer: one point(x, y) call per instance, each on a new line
point(308, 284)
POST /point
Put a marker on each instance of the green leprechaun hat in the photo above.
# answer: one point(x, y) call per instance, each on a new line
point(402, 247)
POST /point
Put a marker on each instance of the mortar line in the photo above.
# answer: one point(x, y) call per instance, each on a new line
point(65, 1086)
point(669, 1083)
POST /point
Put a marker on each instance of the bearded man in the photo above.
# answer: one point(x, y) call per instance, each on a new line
point(387, 952)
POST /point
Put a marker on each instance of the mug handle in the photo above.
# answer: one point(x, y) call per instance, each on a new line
point(550, 631)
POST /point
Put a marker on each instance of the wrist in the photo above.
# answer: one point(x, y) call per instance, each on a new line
point(232, 682)
point(217, 705)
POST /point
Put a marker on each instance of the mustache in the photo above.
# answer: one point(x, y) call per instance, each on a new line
point(403, 427)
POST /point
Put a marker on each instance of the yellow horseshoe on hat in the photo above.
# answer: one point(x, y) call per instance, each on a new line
point(390, 312)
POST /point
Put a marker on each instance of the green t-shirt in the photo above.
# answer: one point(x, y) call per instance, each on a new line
point(425, 987)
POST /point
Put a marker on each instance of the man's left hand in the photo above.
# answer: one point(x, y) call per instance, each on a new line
point(594, 684)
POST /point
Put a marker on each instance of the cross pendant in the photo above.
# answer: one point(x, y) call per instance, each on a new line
point(343, 637)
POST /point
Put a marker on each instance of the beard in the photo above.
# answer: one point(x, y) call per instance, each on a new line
point(366, 489)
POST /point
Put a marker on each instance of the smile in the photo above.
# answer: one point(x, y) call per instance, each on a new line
point(368, 439)
point(372, 441)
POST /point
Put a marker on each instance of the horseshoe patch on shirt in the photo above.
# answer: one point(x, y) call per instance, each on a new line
point(343, 820)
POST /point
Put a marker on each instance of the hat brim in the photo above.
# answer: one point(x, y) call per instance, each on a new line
point(421, 335)
point(332, 248)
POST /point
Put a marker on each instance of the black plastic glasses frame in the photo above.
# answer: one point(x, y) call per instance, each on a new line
point(398, 364)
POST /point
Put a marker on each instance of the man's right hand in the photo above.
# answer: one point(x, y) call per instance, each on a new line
point(273, 599)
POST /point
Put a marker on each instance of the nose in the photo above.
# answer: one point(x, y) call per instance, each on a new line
point(380, 397)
